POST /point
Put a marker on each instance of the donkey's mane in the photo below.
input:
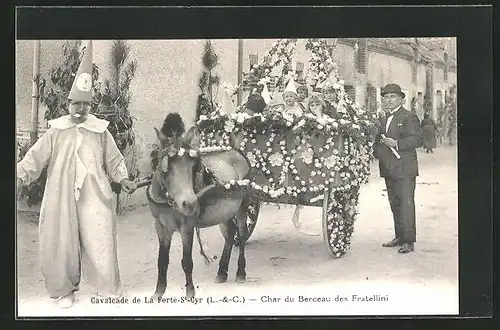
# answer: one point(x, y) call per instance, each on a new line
point(173, 129)
point(173, 126)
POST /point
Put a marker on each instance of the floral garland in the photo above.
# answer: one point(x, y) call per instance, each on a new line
point(342, 207)
point(281, 51)
point(353, 163)
point(339, 169)
point(321, 62)
point(276, 160)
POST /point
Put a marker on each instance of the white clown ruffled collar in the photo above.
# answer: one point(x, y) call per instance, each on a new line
point(92, 123)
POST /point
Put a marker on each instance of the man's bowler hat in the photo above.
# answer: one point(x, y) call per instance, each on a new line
point(392, 88)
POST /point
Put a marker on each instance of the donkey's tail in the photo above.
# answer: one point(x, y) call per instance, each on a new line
point(202, 251)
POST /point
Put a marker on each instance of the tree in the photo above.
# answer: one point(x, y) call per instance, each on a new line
point(208, 82)
point(111, 104)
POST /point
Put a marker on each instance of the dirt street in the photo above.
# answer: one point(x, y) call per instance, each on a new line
point(283, 262)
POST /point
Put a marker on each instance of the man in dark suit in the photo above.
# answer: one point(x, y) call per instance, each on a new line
point(395, 147)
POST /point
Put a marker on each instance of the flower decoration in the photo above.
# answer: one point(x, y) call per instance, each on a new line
point(348, 144)
point(307, 156)
point(330, 161)
point(229, 126)
point(276, 159)
point(279, 54)
point(252, 159)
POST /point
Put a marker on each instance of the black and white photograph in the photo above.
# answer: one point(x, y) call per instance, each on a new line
point(237, 177)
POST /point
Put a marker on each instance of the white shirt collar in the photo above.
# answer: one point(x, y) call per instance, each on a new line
point(92, 123)
point(394, 111)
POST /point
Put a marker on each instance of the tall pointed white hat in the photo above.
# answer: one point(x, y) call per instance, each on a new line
point(81, 90)
point(265, 94)
point(290, 87)
point(227, 104)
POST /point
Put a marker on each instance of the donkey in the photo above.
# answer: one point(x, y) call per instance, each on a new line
point(181, 202)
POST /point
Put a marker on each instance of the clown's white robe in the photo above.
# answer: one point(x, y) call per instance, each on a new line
point(77, 225)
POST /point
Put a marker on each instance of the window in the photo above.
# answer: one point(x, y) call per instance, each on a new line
point(362, 56)
point(351, 92)
point(439, 99)
point(371, 98)
point(420, 101)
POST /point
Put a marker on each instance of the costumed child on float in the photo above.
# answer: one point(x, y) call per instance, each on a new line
point(303, 93)
point(290, 97)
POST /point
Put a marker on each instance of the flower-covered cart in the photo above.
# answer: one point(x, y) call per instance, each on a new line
point(300, 162)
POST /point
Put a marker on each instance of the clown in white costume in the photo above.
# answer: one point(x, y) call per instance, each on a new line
point(77, 227)
point(290, 97)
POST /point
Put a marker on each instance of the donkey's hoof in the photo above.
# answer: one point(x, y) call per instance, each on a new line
point(190, 293)
point(156, 296)
point(240, 278)
point(221, 278)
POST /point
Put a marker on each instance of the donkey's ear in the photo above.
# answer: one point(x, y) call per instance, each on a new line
point(158, 134)
point(161, 138)
point(193, 138)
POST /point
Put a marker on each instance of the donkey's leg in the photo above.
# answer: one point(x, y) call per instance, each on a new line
point(164, 239)
point(187, 234)
point(230, 229)
point(241, 220)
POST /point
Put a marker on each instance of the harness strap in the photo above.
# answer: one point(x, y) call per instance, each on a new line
point(157, 200)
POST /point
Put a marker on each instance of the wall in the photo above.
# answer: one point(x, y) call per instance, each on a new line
point(344, 56)
point(452, 78)
point(384, 69)
point(168, 71)
point(166, 78)
point(167, 74)
point(24, 71)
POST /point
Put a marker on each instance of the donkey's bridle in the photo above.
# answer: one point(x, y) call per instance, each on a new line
point(167, 199)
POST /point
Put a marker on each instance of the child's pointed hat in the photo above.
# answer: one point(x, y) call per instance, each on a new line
point(265, 94)
point(227, 104)
point(290, 87)
point(82, 85)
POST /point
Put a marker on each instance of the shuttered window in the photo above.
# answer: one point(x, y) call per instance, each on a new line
point(362, 56)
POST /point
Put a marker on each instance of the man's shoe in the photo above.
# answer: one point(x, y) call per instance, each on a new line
point(393, 243)
point(406, 248)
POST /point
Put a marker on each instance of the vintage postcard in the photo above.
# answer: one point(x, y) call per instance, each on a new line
point(237, 177)
point(274, 140)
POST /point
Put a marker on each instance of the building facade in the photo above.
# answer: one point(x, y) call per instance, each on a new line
point(168, 70)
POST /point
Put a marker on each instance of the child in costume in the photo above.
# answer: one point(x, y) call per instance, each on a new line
point(303, 93)
point(290, 97)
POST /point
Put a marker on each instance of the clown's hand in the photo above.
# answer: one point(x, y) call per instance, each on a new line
point(128, 186)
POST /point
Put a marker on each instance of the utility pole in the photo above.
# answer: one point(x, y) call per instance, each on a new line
point(34, 93)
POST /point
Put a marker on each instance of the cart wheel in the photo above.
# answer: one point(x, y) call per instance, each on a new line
point(252, 216)
point(326, 231)
point(343, 238)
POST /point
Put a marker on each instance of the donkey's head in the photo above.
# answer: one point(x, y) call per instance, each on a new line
point(178, 160)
